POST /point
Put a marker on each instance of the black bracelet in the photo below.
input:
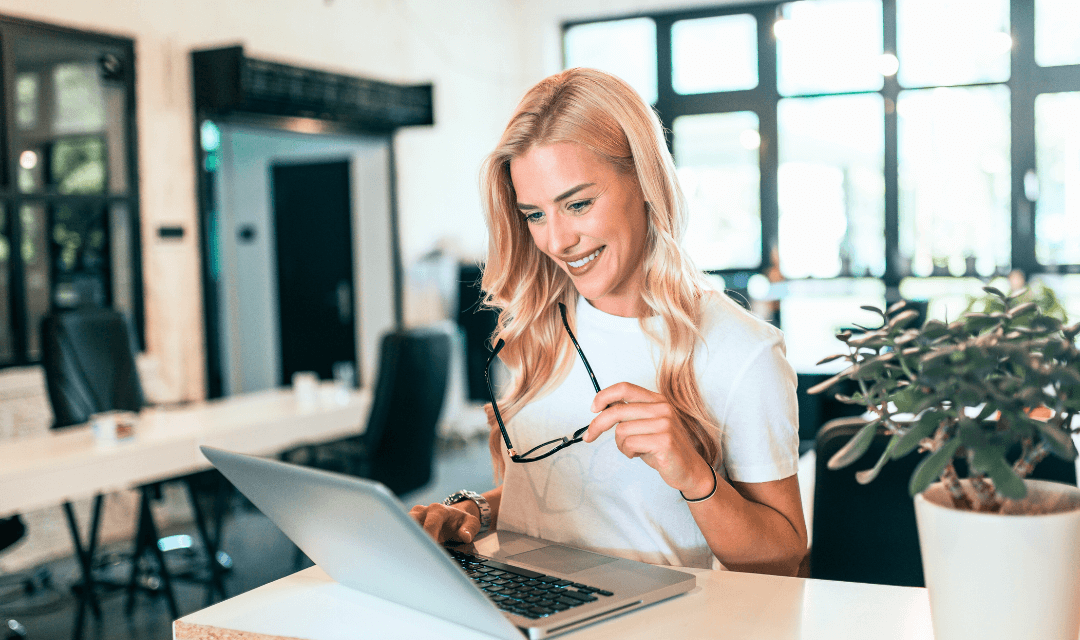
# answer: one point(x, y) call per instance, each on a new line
point(711, 493)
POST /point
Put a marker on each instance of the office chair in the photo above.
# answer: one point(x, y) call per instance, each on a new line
point(398, 444)
point(863, 533)
point(89, 360)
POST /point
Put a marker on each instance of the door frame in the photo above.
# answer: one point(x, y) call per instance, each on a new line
point(371, 313)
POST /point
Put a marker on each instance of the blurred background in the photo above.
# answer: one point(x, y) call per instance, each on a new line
point(267, 187)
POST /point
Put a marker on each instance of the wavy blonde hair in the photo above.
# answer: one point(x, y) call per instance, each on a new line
point(604, 114)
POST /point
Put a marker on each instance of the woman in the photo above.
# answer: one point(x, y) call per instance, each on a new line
point(691, 452)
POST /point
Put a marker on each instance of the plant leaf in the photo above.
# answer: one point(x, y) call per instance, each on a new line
point(1006, 482)
point(931, 467)
point(856, 447)
point(910, 439)
point(830, 359)
point(994, 292)
point(866, 476)
point(1061, 443)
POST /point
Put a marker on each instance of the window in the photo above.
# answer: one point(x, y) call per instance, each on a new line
point(68, 204)
point(892, 139)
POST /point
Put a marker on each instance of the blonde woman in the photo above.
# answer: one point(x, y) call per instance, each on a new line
point(690, 450)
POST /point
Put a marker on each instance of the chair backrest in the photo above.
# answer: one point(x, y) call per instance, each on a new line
point(863, 533)
point(408, 398)
point(89, 364)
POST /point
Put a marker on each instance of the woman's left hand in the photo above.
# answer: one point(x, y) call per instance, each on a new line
point(647, 427)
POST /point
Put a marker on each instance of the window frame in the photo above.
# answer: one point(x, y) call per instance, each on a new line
point(1026, 81)
point(12, 199)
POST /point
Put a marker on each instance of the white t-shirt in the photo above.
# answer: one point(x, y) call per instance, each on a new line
point(591, 496)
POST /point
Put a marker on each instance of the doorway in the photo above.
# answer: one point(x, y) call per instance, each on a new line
point(252, 333)
point(314, 267)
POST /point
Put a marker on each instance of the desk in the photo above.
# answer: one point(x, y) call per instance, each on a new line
point(310, 606)
point(65, 465)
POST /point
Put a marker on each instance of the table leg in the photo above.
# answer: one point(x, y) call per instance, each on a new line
point(147, 537)
point(86, 554)
point(209, 544)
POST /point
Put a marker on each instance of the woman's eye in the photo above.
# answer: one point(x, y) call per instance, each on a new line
point(534, 216)
point(580, 205)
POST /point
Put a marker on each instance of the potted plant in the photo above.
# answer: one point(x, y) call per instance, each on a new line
point(1001, 554)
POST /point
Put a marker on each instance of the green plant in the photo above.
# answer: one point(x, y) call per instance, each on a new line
point(968, 389)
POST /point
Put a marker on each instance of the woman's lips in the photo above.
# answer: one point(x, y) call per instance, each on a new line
point(582, 266)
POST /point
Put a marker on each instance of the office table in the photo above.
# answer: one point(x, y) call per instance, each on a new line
point(68, 464)
point(310, 606)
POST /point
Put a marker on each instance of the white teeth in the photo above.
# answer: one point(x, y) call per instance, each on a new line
point(587, 259)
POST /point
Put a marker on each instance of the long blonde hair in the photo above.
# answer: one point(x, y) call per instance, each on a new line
point(604, 114)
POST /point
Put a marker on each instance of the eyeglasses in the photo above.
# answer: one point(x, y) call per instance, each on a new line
point(551, 446)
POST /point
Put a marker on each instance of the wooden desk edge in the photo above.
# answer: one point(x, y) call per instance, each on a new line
point(187, 631)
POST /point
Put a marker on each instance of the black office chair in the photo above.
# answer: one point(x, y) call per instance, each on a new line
point(12, 530)
point(863, 533)
point(397, 447)
point(88, 356)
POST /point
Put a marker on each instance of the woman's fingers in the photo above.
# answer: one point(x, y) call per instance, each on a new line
point(444, 523)
point(629, 412)
point(623, 392)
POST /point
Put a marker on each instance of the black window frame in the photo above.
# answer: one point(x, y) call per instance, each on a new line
point(1027, 80)
point(12, 199)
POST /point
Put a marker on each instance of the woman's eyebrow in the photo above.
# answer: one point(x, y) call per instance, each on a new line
point(560, 197)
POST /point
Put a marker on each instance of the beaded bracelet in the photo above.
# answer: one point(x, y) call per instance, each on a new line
point(711, 493)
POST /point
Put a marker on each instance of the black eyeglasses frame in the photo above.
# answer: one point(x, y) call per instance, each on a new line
point(565, 441)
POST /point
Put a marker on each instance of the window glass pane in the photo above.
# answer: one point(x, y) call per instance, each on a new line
point(626, 48)
point(1066, 288)
point(72, 116)
point(1057, 32)
point(717, 159)
point(945, 298)
point(1057, 211)
point(35, 255)
point(80, 239)
point(829, 46)
point(77, 165)
point(79, 104)
point(7, 346)
point(812, 312)
point(122, 260)
point(714, 54)
point(955, 42)
point(831, 186)
point(26, 100)
point(954, 180)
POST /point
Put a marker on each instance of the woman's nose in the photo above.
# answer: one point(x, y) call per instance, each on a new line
point(562, 235)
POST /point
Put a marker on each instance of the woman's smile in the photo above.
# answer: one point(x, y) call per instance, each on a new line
point(580, 267)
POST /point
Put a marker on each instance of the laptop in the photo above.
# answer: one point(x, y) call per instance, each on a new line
point(503, 584)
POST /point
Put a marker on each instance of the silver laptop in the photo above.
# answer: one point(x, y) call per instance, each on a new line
point(504, 584)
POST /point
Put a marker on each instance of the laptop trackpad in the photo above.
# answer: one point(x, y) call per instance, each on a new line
point(562, 559)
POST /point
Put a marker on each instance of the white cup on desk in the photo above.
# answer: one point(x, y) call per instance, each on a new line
point(344, 381)
point(305, 386)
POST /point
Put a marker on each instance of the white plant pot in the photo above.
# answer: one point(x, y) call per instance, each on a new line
point(994, 576)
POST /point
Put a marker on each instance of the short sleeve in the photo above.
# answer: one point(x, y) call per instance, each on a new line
point(760, 419)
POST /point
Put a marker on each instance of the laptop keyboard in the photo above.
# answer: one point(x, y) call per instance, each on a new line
point(523, 592)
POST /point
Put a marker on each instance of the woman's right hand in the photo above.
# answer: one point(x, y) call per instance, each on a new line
point(445, 523)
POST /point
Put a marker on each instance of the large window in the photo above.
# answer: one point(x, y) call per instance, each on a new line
point(68, 199)
point(892, 139)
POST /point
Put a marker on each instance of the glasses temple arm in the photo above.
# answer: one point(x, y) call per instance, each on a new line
point(495, 405)
point(562, 310)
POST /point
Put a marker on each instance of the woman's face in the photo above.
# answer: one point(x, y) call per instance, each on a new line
point(587, 217)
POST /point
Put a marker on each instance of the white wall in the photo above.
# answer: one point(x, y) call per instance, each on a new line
point(469, 49)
